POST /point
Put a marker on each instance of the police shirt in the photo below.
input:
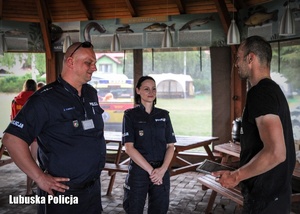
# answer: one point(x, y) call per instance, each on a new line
point(69, 130)
point(150, 133)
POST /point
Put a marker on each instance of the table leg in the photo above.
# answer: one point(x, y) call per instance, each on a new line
point(211, 202)
point(209, 152)
point(111, 183)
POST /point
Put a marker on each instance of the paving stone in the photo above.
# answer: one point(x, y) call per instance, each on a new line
point(186, 195)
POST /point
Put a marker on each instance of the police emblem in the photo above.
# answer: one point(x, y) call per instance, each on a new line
point(75, 123)
point(141, 132)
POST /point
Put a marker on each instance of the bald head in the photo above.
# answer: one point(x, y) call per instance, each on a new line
point(79, 64)
point(75, 46)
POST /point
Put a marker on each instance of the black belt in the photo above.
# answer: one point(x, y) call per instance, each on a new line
point(156, 164)
point(83, 185)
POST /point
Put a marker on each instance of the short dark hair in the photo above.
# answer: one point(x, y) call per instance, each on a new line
point(260, 47)
point(40, 84)
point(137, 97)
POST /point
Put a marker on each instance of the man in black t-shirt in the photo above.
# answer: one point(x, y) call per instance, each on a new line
point(267, 158)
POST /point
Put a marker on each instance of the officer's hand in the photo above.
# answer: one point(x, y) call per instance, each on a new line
point(157, 176)
point(49, 183)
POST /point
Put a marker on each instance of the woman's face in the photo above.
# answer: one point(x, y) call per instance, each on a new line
point(147, 91)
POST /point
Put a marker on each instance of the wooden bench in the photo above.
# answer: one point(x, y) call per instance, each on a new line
point(233, 194)
point(112, 167)
point(116, 166)
point(209, 182)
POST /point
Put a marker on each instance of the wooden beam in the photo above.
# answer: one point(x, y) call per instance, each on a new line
point(42, 11)
point(46, 11)
point(1, 9)
point(131, 8)
point(180, 6)
point(137, 65)
point(225, 19)
point(238, 87)
point(85, 10)
point(240, 5)
point(51, 74)
point(223, 14)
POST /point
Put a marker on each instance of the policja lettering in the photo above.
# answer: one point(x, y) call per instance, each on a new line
point(62, 199)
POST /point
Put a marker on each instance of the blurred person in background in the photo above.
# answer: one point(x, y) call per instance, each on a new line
point(40, 85)
point(29, 87)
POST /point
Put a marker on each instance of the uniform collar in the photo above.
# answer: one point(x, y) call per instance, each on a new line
point(141, 106)
point(69, 87)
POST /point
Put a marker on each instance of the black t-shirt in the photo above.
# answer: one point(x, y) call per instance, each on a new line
point(266, 98)
point(55, 115)
point(150, 133)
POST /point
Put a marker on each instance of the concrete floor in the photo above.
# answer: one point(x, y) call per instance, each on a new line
point(186, 195)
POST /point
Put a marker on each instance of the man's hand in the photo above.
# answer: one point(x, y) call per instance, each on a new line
point(226, 178)
point(49, 183)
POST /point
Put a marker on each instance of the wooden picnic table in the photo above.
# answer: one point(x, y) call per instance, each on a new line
point(183, 143)
point(178, 164)
point(230, 149)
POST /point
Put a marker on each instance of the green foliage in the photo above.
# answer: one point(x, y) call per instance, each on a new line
point(8, 60)
point(40, 63)
point(287, 62)
point(202, 85)
point(14, 84)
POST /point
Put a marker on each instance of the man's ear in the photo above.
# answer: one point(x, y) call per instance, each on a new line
point(250, 57)
point(69, 61)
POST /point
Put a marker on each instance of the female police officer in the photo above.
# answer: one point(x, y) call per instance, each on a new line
point(149, 140)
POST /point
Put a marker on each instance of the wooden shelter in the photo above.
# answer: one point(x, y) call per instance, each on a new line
point(46, 12)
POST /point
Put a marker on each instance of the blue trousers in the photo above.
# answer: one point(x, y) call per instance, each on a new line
point(89, 201)
point(138, 186)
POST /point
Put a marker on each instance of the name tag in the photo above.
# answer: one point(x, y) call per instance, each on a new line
point(88, 124)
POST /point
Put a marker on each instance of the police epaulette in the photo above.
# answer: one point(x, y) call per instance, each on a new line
point(131, 109)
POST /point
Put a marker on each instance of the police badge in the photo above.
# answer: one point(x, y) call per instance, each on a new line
point(141, 132)
point(75, 123)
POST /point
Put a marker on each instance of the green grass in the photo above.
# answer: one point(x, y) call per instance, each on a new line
point(190, 116)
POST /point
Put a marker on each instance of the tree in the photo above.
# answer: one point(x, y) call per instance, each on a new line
point(7, 61)
point(286, 61)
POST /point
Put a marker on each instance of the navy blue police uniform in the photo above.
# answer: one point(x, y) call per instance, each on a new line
point(69, 130)
point(150, 134)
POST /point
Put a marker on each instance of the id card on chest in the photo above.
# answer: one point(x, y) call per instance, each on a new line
point(88, 124)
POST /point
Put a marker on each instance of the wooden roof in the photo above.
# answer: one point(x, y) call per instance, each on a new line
point(46, 12)
point(83, 10)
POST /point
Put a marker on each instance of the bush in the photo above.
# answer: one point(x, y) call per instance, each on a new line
point(14, 84)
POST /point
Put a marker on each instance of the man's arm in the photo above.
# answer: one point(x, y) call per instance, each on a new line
point(272, 154)
point(20, 153)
